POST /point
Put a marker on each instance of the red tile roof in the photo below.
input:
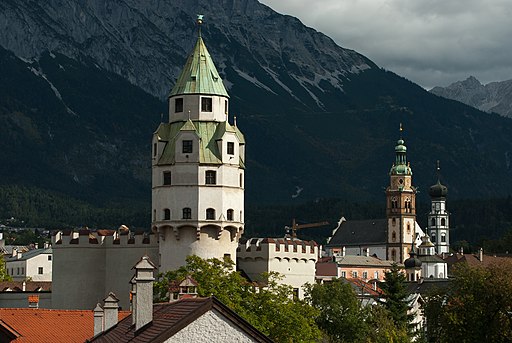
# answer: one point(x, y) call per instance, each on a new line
point(44, 325)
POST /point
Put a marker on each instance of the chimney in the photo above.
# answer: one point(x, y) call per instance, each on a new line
point(110, 311)
point(481, 254)
point(143, 309)
point(367, 252)
point(133, 295)
point(343, 250)
point(46, 245)
point(14, 252)
point(19, 255)
point(23, 286)
point(33, 301)
point(98, 320)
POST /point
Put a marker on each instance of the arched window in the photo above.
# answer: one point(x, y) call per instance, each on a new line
point(443, 222)
point(393, 255)
point(210, 214)
point(187, 213)
point(433, 238)
point(433, 222)
point(393, 236)
point(408, 228)
point(154, 215)
point(229, 214)
point(443, 238)
point(167, 214)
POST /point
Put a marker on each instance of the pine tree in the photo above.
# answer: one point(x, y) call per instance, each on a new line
point(395, 294)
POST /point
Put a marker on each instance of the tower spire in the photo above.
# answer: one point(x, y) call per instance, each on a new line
point(199, 22)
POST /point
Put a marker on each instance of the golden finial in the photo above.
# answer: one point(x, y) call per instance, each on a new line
point(234, 121)
point(199, 22)
point(401, 127)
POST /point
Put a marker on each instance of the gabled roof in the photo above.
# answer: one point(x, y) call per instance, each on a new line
point(44, 325)
point(29, 254)
point(199, 75)
point(360, 232)
point(170, 318)
point(208, 132)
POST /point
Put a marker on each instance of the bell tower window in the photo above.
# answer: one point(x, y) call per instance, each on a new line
point(443, 222)
point(206, 104)
point(178, 105)
point(231, 148)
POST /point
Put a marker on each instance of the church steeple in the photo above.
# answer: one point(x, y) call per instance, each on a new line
point(438, 218)
point(401, 205)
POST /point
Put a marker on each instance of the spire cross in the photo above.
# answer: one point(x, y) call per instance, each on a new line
point(438, 169)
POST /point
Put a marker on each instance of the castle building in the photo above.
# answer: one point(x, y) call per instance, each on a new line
point(400, 207)
point(197, 168)
point(438, 218)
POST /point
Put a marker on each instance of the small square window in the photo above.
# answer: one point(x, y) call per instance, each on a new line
point(211, 177)
point(343, 274)
point(210, 214)
point(40, 270)
point(178, 105)
point(231, 148)
point(187, 146)
point(206, 104)
point(167, 178)
point(49, 257)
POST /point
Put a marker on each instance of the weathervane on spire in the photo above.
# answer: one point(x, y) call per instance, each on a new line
point(199, 22)
point(438, 170)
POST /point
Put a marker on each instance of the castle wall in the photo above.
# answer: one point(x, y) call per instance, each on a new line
point(87, 266)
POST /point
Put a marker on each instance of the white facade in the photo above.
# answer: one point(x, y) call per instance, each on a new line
point(432, 266)
point(294, 259)
point(439, 225)
point(35, 265)
point(211, 327)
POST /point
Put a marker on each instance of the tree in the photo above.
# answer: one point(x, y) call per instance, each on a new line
point(4, 276)
point(395, 295)
point(271, 309)
point(381, 327)
point(341, 317)
point(476, 308)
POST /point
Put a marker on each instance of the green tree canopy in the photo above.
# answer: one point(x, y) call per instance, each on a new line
point(4, 276)
point(271, 309)
point(395, 295)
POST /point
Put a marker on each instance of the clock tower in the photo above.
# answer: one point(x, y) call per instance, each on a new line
point(400, 207)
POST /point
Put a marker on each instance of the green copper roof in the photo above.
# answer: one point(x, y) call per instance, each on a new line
point(199, 75)
point(208, 132)
point(400, 167)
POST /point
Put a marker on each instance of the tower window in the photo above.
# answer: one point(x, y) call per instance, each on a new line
point(393, 255)
point(206, 104)
point(178, 105)
point(225, 106)
point(393, 236)
point(154, 149)
point(187, 146)
point(433, 222)
point(433, 238)
point(210, 214)
point(443, 222)
point(154, 215)
point(408, 228)
point(241, 180)
point(231, 148)
point(211, 177)
point(443, 238)
point(230, 214)
point(167, 178)
point(167, 214)
point(187, 213)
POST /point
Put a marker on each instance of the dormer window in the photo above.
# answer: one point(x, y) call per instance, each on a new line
point(187, 146)
point(178, 105)
point(206, 104)
point(231, 148)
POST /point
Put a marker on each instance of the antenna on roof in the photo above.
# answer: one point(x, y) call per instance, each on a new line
point(199, 22)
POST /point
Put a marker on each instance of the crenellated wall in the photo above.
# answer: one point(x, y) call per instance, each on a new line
point(89, 264)
point(294, 259)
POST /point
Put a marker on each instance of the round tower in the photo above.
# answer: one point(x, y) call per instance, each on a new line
point(438, 217)
point(400, 206)
point(197, 168)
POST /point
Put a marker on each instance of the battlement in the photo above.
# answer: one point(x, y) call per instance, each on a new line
point(278, 248)
point(120, 237)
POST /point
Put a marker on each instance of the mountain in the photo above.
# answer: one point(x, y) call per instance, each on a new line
point(493, 97)
point(84, 84)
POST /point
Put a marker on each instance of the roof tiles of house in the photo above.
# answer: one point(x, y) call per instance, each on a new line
point(356, 232)
point(169, 318)
point(29, 254)
point(474, 260)
point(363, 261)
point(32, 325)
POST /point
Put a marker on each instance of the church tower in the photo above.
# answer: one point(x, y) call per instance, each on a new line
point(438, 218)
point(401, 207)
point(197, 168)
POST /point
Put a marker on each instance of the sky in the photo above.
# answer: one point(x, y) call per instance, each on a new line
point(430, 42)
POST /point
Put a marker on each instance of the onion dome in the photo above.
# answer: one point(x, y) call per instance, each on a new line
point(438, 190)
point(412, 262)
point(400, 167)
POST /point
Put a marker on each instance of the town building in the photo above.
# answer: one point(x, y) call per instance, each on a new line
point(34, 265)
point(390, 238)
point(365, 268)
point(198, 164)
point(294, 259)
